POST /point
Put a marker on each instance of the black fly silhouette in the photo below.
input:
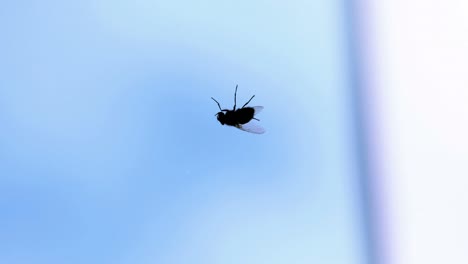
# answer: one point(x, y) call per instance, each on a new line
point(241, 117)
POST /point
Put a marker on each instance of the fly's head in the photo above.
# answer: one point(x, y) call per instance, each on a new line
point(221, 117)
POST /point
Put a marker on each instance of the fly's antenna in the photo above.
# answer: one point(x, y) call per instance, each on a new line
point(217, 103)
point(235, 95)
point(249, 100)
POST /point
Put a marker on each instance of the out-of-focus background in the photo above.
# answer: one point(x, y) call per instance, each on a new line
point(110, 151)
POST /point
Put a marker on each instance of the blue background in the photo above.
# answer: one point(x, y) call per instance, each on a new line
point(110, 151)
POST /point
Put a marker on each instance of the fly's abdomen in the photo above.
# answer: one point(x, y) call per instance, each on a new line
point(244, 115)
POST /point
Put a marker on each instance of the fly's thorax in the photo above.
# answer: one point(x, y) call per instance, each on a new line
point(228, 118)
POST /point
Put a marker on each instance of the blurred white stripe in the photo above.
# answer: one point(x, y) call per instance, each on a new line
point(419, 67)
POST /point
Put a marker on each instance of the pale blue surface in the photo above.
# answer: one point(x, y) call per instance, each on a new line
point(110, 151)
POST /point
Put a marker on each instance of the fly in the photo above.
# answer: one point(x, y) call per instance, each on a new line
point(241, 117)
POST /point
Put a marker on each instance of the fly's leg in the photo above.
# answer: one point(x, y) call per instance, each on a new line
point(235, 98)
point(248, 101)
point(217, 103)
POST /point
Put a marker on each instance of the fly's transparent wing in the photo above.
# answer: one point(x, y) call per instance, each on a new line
point(252, 127)
point(257, 109)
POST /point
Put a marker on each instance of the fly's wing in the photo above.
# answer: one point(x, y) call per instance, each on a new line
point(257, 109)
point(251, 127)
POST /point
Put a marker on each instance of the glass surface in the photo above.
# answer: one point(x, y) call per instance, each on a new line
point(110, 151)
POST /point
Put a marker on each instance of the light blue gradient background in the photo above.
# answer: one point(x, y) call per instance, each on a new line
point(110, 151)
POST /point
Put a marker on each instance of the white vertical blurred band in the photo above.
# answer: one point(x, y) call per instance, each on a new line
point(417, 73)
